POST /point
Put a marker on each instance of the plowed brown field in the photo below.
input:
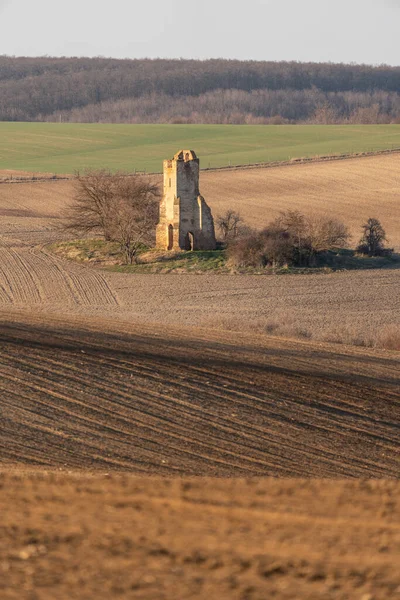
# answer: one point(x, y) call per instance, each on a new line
point(162, 402)
point(108, 372)
point(158, 402)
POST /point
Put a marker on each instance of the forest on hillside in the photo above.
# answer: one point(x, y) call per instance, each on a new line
point(108, 90)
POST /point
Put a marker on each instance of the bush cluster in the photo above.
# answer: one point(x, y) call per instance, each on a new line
point(291, 239)
point(295, 239)
point(373, 240)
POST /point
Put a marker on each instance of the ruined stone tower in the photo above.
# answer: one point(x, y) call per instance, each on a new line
point(186, 221)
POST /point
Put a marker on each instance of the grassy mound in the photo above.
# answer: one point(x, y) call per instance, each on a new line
point(108, 255)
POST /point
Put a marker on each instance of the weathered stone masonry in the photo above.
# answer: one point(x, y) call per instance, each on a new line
point(186, 221)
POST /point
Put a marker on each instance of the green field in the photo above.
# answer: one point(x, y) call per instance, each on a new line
point(65, 148)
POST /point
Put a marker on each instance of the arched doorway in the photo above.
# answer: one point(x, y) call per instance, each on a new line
point(170, 237)
point(189, 241)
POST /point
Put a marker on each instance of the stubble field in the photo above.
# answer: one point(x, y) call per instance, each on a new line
point(159, 375)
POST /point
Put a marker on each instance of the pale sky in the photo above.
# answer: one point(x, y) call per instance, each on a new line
point(361, 31)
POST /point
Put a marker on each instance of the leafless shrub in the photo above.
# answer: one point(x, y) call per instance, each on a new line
point(292, 238)
point(270, 247)
point(246, 251)
point(311, 235)
point(326, 233)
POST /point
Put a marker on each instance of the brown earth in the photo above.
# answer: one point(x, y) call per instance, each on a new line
point(83, 398)
point(352, 190)
point(17, 175)
point(109, 372)
point(69, 537)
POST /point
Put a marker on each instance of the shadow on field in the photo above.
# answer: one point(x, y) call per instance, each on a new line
point(273, 356)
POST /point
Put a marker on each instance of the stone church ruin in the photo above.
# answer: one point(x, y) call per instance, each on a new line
point(186, 222)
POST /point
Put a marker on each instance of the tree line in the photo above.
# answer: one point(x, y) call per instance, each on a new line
point(193, 91)
point(259, 107)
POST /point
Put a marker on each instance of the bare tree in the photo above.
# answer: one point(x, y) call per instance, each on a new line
point(229, 225)
point(92, 206)
point(373, 239)
point(134, 220)
point(121, 207)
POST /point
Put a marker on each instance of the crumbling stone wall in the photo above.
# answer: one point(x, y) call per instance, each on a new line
point(186, 222)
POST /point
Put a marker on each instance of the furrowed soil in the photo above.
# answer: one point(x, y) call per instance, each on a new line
point(116, 390)
point(162, 401)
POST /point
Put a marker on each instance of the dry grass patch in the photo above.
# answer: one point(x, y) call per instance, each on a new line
point(389, 337)
point(290, 324)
